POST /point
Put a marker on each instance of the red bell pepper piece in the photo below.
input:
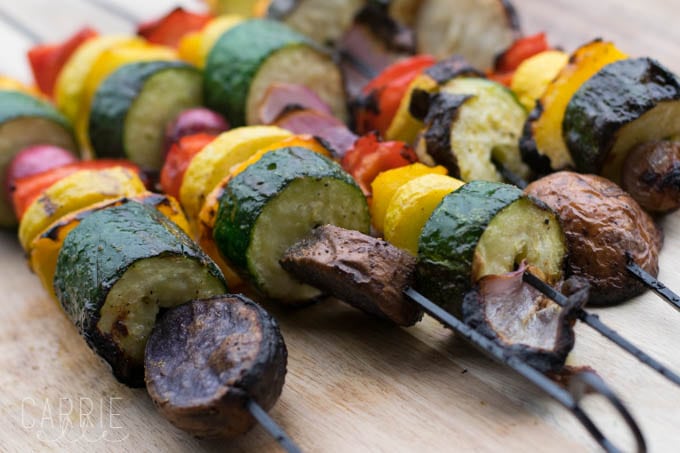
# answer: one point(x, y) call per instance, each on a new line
point(29, 188)
point(369, 157)
point(383, 94)
point(520, 50)
point(169, 29)
point(178, 159)
point(46, 60)
point(513, 56)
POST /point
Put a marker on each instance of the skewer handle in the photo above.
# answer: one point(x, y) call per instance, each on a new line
point(594, 322)
point(570, 399)
point(654, 284)
point(272, 427)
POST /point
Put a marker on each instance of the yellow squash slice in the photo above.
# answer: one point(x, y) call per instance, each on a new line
point(76, 191)
point(70, 86)
point(386, 184)
point(214, 162)
point(534, 74)
point(411, 207)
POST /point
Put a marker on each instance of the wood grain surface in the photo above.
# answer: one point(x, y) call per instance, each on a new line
point(354, 384)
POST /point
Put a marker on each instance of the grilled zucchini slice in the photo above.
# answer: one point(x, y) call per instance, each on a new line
point(252, 55)
point(476, 29)
point(44, 249)
point(277, 201)
point(486, 228)
point(542, 144)
point(25, 121)
point(626, 103)
point(117, 269)
point(134, 104)
point(470, 123)
point(405, 126)
point(106, 63)
point(213, 163)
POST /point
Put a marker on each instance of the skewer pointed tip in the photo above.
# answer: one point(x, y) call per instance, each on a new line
point(272, 427)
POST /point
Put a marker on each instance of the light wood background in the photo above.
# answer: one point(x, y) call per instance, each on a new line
point(354, 384)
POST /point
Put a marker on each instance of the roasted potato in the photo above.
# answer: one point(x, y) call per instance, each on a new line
point(651, 175)
point(206, 359)
point(604, 226)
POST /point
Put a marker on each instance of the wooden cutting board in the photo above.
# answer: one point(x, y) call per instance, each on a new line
point(354, 384)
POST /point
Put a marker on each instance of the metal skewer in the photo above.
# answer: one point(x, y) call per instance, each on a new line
point(569, 398)
point(653, 284)
point(272, 427)
point(594, 322)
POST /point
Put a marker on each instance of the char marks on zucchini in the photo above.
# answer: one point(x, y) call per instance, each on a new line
point(115, 271)
point(626, 103)
point(470, 123)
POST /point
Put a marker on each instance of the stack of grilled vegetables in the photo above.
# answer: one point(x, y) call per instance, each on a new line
point(244, 121)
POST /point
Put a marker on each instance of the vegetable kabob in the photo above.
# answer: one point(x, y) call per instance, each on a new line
point(253, 236)
point(227, 46)
point(230, 40)
point(116, 264)
point(234, 397)
point(445, 140)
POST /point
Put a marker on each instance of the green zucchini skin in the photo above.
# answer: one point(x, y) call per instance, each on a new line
point(247, 195)
point(614, 97)
point(113, 101)
point(24, 121)
point(448, 240)
point(235, 59)
point(98, 252)
point(15, 104)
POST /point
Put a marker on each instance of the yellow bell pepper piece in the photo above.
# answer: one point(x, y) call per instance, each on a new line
point(195, 47)
point(583, 64)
